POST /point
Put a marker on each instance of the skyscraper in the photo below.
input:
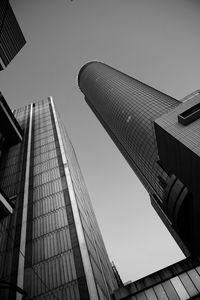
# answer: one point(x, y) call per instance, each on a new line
point(11, 36)
point(150, 129)
point(51, 246)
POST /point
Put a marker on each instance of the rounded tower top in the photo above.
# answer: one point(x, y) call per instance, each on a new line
point(83, 68)
point(127, 108)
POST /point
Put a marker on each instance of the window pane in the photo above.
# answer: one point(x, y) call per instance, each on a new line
point(180, 289)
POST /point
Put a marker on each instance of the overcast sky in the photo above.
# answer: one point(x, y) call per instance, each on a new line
point(155, 41)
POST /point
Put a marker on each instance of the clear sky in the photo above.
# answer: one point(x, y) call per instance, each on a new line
point(155, 41)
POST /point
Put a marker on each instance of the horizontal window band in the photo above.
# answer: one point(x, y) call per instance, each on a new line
point(49, 259)
point(46, 214)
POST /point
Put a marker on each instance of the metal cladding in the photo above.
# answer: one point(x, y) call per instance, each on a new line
point(55, 248)
point(10, 134)
point(127, 108)
point(11, 36)
point(179, 281)
point(9, 127)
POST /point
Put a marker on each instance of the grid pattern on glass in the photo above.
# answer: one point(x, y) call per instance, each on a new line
point(11, 36)
point(128, 108)
point(68, 291)
point(52, 255)
point(6, 247)
point(10, 174)
point(101, 265)
point(10, 164)
point(50, 258)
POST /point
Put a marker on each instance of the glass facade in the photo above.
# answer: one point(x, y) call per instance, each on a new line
point(11, 36)
point(11, 175)
point(47, 257)
point(101, 265)
point(127, 108)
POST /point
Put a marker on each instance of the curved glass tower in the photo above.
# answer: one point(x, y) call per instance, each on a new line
point(158, 136)
point(127, 108)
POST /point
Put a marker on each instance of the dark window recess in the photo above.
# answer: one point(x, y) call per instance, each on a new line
point(190, 115)
point(162, 182)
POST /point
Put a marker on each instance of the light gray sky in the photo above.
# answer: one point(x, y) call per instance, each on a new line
point(155, 41)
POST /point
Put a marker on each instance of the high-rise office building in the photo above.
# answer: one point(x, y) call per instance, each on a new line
point(11, 36)
point(51, 246)
point(159, 137)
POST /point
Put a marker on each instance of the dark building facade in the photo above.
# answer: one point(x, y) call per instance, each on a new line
point(51, 246)
point(11, 36)
point(10, 134)
point(180, 281)
point(159, 137)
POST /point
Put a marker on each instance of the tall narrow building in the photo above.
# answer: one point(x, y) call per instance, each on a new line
point(159, 137)
point(11, 37)
point(51, 246)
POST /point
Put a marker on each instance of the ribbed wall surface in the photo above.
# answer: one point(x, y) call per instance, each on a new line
point(11, 36)
point(127, 109)
point(101, 265)
point(50, 267)
point(53, 263)
point(180, 281)
point(11, 173)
